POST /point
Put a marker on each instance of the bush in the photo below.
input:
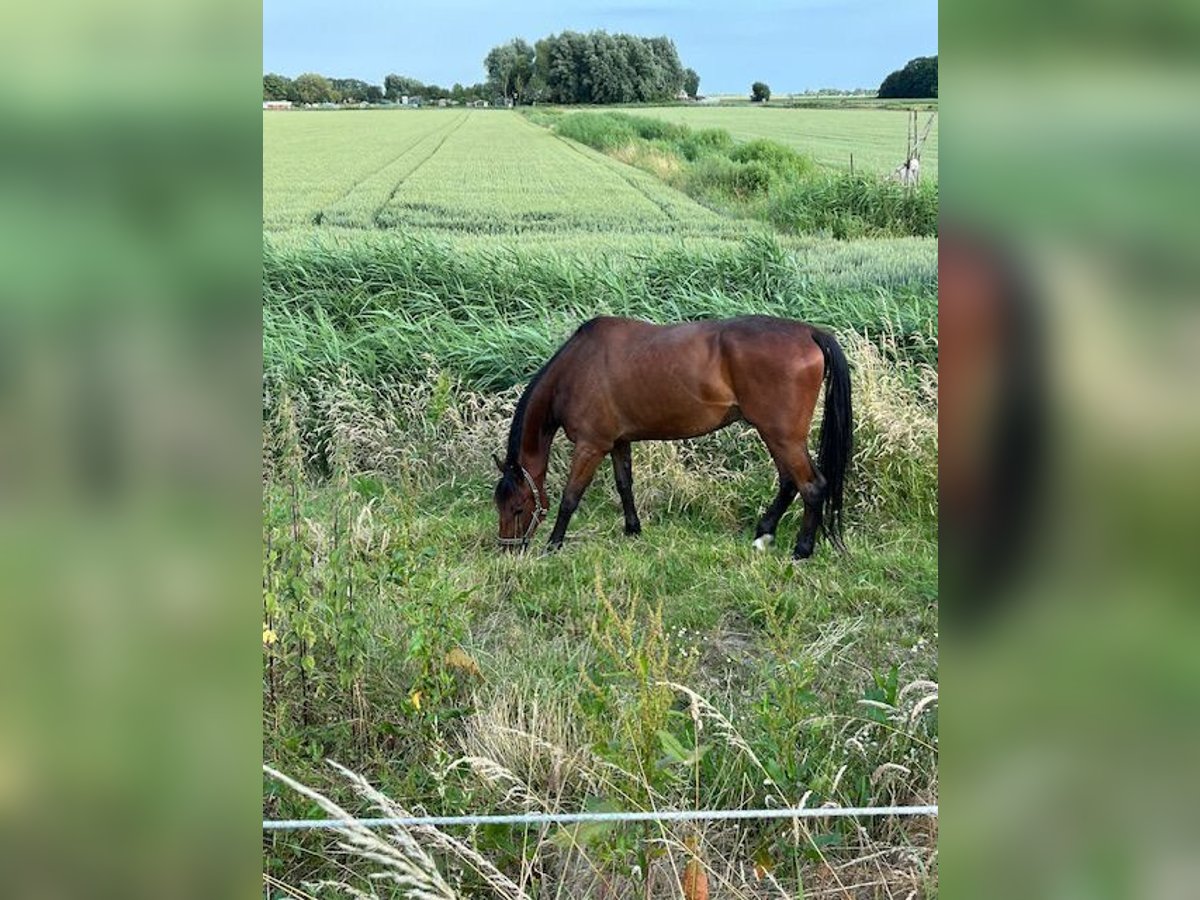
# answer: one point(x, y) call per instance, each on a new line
point(775, 156)
point(723, 177)
point(652, 129)
point(704, 142)
point(604, 132)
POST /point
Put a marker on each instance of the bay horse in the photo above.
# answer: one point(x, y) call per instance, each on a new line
point(618, 380)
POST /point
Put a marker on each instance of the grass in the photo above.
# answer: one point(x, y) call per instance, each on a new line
point(877, 137)
point(418, 267)
point(759, 179)
point(401, 642)
point(383, 311)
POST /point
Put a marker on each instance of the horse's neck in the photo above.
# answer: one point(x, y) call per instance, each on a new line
point(537, 430)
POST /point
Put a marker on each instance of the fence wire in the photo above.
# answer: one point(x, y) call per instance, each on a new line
point(678, 815)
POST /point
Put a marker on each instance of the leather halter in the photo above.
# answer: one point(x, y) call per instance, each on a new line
point(538, 512)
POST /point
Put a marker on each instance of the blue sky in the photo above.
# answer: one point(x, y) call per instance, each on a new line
point(792, 45)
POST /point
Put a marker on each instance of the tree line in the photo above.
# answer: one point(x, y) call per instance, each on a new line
point(596, 67)
point(313, 88)
point(571, 67)
point(918, 78)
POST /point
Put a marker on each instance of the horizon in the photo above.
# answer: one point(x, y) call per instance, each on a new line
point(797, 46)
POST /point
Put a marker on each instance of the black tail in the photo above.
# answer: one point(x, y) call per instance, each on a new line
point(837, 433)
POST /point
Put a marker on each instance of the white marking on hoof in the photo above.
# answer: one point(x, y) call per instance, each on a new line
point(763, 542)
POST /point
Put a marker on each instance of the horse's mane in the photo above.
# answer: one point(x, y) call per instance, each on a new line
point(516, 431)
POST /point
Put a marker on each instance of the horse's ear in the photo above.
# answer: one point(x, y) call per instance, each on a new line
point(499, 465)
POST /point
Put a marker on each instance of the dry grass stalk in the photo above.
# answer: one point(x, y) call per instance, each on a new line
point(403, 860)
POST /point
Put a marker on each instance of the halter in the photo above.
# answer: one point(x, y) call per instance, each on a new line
point(538, 512)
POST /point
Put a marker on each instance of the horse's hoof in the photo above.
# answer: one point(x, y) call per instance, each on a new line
point(633, 530)
point(763, 541)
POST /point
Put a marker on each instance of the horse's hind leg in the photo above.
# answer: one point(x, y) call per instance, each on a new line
point(764, 534)
point(622, 457)
point(812, 491)
point(813, 494)
point(792, 457)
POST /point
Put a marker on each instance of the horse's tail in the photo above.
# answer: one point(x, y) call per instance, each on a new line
point(837, 433)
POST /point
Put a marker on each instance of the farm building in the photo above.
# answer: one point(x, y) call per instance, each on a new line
point(277, 104)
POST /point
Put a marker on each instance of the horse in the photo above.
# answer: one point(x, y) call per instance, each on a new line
point(618, 380)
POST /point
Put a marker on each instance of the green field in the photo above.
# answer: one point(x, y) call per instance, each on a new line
point(419, 267)
point(453, 172)
point(876, 137)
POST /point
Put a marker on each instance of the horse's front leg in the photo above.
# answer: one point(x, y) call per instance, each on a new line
point(584, 461)
point(622, 457)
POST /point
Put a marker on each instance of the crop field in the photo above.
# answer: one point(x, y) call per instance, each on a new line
point(876, 137)
point(418, 268)
point(459, 172)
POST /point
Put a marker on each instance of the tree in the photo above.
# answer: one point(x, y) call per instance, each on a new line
point(397, 86)
point(351, 89)
point(691, 82)
point(918, 78)
point(276, 87)
point(312, 88)
point(597, 67)
point(374, 94)
point(668, 72)
point(510, 67)
point(760, 92)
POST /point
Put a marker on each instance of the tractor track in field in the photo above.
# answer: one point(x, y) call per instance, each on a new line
point(445, 136)
point(319, 217)
point(632, 182)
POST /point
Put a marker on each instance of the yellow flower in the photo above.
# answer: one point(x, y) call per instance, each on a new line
point(269, 636)
point(415, 699)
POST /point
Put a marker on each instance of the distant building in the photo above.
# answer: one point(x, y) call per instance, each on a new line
point(277, 104)
point(682, 95)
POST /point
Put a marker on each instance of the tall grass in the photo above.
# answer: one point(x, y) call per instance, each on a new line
point(492, 316)
point(677, 670)
point(739, 178)
point(680, 671)
point(854, 206)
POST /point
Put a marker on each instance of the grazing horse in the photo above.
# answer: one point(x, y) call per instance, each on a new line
point(619, 380)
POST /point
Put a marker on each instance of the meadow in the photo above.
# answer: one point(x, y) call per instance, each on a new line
point(418, 268)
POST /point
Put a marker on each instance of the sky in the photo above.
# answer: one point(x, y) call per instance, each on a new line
point(792, 45)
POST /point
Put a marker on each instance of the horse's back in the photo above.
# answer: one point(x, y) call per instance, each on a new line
point(639, 380)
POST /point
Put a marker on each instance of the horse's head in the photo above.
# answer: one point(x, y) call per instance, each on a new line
point(518, 505)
